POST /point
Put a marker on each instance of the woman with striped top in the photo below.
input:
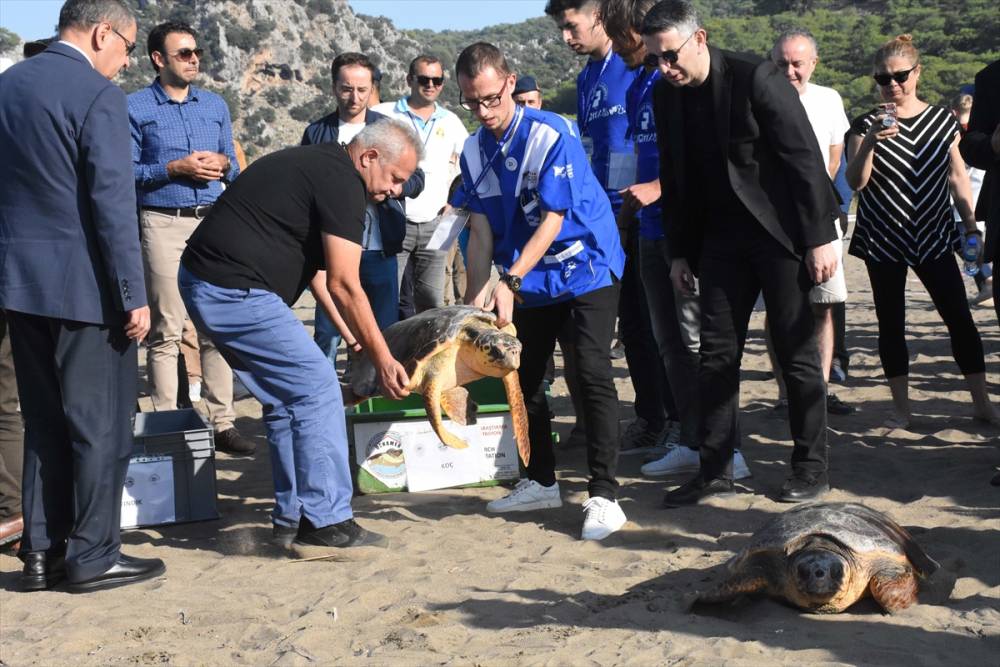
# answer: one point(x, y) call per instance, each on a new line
point(903, 167)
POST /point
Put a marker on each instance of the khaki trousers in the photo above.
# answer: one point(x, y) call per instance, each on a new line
point(163, 240)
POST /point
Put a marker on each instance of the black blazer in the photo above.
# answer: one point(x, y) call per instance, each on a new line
point(775, 166)
point(977, 151)
point(392, 211)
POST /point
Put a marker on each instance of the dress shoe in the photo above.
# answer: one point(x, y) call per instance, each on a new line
point(41, 571)
point(231, 442)
point(11, 529)
point(803, 486)
point(695, 489)
point(126, 570)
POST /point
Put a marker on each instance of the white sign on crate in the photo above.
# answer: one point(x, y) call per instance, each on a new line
point(148, 496)
point(426, 463)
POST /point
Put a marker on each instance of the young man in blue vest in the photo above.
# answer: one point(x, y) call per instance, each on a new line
point(601, 90)
point(538, 214)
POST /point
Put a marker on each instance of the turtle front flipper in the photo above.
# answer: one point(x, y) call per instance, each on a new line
point(518, 415)
point(894, 588)
point(738, 584)
point(458, 406)
point(432, 404)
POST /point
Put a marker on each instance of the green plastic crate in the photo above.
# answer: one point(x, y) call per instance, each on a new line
point(488, 393)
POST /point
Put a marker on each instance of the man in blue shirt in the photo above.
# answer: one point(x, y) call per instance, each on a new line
point(601, 91)
point(182, 151)
point(538, 214)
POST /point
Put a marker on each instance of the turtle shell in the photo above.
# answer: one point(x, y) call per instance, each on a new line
point(416, 339)
point(859, 528)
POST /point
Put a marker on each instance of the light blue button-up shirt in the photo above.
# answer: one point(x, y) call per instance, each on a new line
point(164, 130)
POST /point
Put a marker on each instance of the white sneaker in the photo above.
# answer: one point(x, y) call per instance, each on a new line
point(740, 468)
point(194, 392)
point(527, 495)
point(602, 517)
point(678, 459)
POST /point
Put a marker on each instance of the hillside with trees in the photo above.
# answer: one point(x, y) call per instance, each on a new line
point(270, 59)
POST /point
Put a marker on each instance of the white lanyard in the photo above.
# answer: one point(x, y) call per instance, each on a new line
point(507, 138)
point(420, 134)
point(582, 122)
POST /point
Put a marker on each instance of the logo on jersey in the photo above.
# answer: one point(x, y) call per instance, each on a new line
point(511, 164)
point(599, 96)
point(645, 125)
point(559, 171)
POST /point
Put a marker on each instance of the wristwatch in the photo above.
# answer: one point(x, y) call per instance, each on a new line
point(512, 281)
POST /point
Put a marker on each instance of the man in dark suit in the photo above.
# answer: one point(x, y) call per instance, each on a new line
point(981, 148)
point(747, 206)
point(71, 282)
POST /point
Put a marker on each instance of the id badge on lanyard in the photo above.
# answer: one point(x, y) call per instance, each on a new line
point(622, 169)
point(449, 226)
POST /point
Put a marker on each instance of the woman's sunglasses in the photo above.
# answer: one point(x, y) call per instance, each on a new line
point(898, 77)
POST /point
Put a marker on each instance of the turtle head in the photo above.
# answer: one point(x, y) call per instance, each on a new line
point(819, 569)
point(493, 352)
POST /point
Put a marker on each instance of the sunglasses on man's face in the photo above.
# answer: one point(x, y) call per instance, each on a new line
point(185, 55)
point(129, 46)
point(671, 56)
point(436, 81)
point(886, 78)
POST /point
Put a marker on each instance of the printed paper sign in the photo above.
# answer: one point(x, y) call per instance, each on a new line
point(450, 225)
point(148, 496)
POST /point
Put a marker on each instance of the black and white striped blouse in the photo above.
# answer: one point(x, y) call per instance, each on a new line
point(904, 213)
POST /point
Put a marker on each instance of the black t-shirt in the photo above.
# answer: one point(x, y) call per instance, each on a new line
point(705, 156)
point(264, 231)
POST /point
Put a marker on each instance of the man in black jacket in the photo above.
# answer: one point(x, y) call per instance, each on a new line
point(747, 206)
point(981, 148)
point(385, 223)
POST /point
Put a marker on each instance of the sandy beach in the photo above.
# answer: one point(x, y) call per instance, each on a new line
point(462, 587)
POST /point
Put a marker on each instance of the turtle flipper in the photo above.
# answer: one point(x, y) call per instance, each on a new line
point(738, 583)
point(458, 406)
point(518, 415)
point(432, 404)
point(894, 588)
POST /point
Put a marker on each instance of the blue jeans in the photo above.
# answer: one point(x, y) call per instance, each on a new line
point(271, 353)
point(378, 280)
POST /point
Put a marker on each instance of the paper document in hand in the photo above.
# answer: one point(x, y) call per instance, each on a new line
point(450, 225)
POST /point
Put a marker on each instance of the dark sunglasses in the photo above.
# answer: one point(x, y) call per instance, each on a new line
point(898, 77)
point(437, 81)
point(184, 55)
point(129, 46)
point(670, 57)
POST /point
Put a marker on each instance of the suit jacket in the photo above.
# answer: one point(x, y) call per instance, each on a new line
point(774, 164)
point(69, 237)
point(392, 211)
point(977, 151)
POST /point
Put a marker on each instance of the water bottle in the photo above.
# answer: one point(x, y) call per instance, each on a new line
point(970, 253)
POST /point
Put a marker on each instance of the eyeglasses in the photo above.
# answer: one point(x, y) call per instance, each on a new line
point(184, 55)
point(488, 102)
point(129, 46)
point(670, 56)
point(437, 81)
point(887, 78)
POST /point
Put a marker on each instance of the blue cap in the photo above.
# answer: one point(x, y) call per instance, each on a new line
point(525, 84)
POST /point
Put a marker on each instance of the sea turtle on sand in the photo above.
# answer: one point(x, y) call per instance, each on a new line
point(824, 557)
point(441, 350)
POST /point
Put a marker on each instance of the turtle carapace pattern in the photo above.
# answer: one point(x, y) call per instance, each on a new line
point(443, 349)
point(824, 557)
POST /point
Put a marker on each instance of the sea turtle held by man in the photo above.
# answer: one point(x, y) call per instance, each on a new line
point(441, 350)
point(824, 557)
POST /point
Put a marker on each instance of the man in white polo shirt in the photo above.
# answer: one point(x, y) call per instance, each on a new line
point(796, 54)
point(443, 136)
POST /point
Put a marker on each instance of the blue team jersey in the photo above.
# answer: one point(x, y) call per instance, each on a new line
point(642, 131)
point(600, 101)
point(544, 168)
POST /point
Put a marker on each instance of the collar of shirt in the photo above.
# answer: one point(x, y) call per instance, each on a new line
point(78, 49)
point(162, 97)
point(439, 112)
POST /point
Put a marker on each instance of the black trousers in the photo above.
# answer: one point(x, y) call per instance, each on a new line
point(943, 281)
point(654, 401)
point(78, 385)
point(739, 260)
point(591, 320)
point(11, 430)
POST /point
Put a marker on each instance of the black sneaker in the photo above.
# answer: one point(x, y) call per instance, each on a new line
point(231, 442)
point(328, 540)
point(283, 536)
point(640, 437)
point(835, 406)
